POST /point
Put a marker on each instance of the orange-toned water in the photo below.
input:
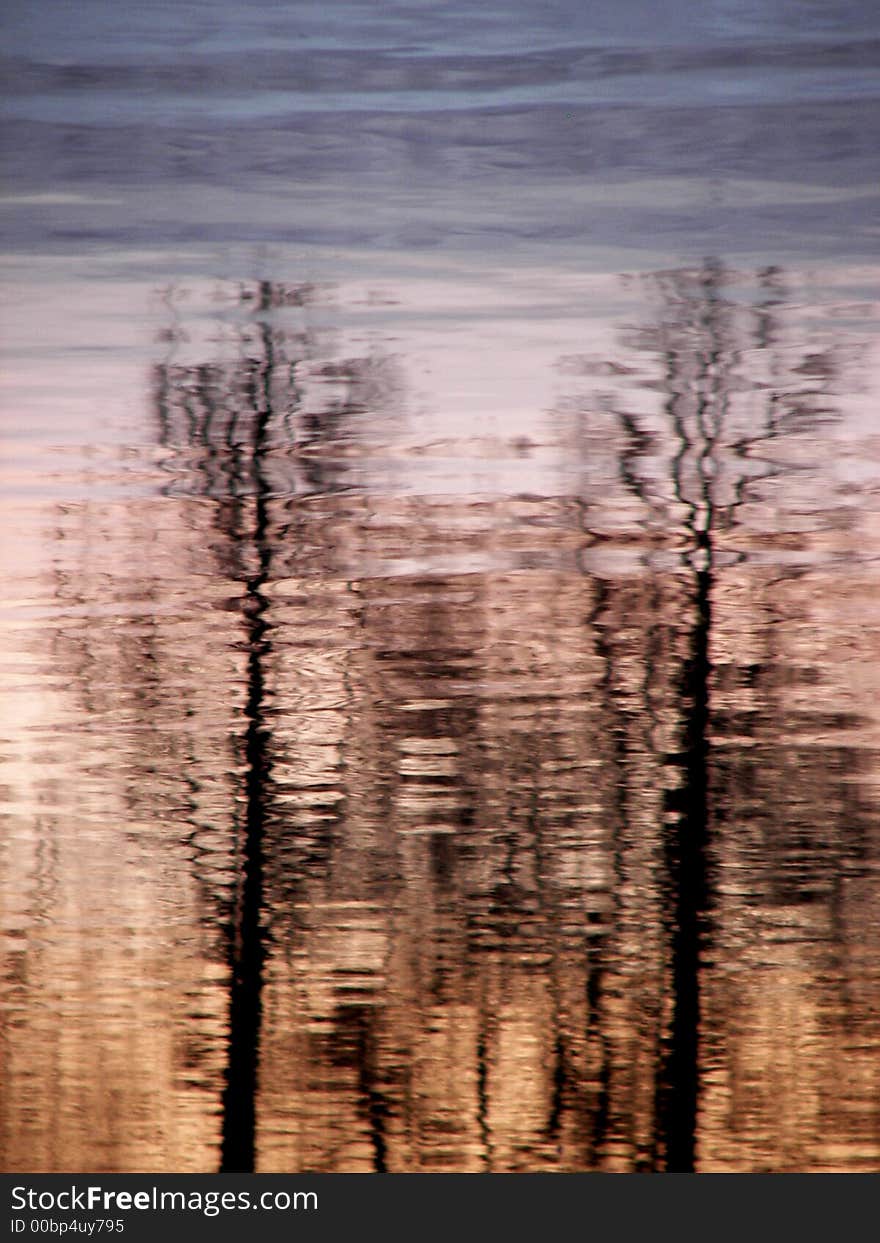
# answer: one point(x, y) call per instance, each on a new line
point(440, 625)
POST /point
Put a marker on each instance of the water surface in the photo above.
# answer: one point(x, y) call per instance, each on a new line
point(440, 572)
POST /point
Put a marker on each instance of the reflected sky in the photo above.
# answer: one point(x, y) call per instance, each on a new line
point(511, 131)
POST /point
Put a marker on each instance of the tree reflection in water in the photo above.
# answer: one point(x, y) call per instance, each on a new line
point(234, 417)
point(503, 834)
point(718, 436)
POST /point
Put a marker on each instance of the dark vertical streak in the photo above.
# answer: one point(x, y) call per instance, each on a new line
point(602, 1107)
point(375, 1106)
point(483, 1094)
point(561, 1078)
point(247, 943)
point(686, 837)
point(686, 863)
point(595, 984)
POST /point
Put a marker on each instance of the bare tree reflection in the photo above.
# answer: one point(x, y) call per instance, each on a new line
point(250, 437)
point(720, 446)
point(477, 821)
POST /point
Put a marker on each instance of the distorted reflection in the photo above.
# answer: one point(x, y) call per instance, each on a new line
point(379, 829)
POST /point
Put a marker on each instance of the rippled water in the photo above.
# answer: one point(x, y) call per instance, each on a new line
point(440, 613)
